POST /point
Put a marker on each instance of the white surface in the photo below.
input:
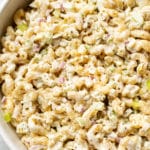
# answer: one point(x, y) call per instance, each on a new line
point(3, 145)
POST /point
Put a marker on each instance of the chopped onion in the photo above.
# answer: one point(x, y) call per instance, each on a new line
point(62, 65)
point(61, 80)
point(3, 99)
point(36, 47)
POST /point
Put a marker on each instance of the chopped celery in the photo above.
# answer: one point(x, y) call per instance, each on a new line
point(114, 113)
point(87, 47)
point(7, 117)
point(137, 18)
point(56, 13)
point(148, 84)
point(35, 60)
point(81, 121)
point(22, 27)
point(110, 39)
point(44, 52)
point(48, 37)
point(112, 68)
point(135, 104)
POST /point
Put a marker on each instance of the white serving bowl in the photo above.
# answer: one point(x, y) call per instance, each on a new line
point(7, 9)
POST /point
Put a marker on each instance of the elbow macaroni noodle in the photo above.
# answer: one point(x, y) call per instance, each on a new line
point(75, 74)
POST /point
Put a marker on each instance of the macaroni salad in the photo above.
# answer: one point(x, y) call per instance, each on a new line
point(75, 75)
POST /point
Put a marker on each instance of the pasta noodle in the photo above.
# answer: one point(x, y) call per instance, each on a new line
point(75, 75)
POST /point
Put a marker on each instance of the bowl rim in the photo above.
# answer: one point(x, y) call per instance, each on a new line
point(8, 134)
